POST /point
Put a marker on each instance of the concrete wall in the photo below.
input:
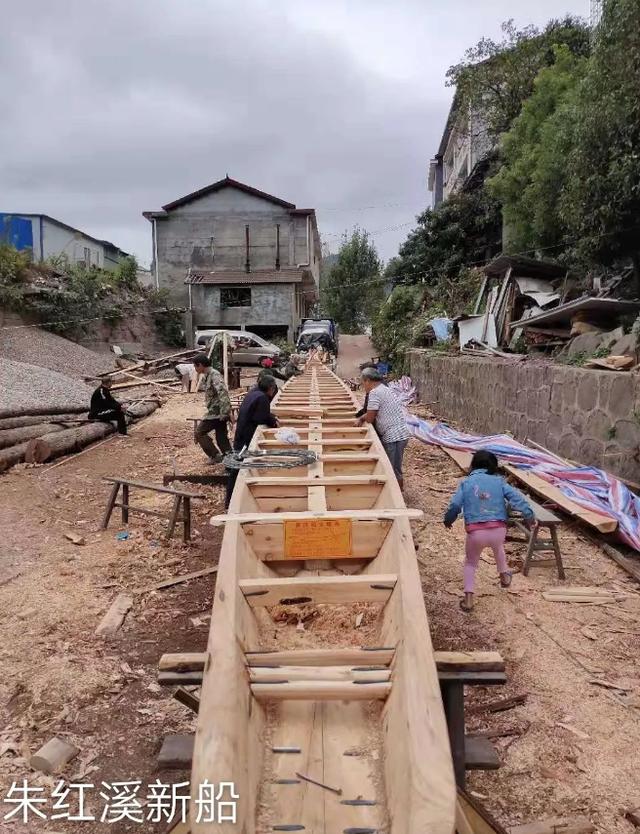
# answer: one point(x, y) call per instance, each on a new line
point(589, 416)
point(209, 233)
point(271, 304)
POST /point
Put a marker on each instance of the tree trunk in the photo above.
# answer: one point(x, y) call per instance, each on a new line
point(66, 442)
point(14, 454)
point(30, 412)
point(11, 437)
point(37, 419)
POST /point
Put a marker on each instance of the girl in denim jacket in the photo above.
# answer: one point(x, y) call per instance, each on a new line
point(483, 498)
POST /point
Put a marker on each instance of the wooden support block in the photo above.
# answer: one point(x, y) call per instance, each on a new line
point(114, 617)
point(322, 657)
point(557, 825)
point(321, 691)
point(188, 699)
point(53, 756)
point(480, 754)
point(320, 589)
point(180, 678)
point(183, 662)
point(469, 661)
point(176, 752)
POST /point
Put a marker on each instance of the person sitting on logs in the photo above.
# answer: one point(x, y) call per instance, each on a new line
point(105, 408)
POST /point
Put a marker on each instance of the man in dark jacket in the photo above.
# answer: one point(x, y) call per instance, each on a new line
point(254, 411)
point(105, 408)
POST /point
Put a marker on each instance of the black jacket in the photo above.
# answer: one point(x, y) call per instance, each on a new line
point(102, 400)
point(254, 411)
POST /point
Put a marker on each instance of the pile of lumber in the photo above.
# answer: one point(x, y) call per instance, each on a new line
point(39, 437)
point(130, 376)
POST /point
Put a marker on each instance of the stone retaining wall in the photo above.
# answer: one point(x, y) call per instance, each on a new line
point(584, 415)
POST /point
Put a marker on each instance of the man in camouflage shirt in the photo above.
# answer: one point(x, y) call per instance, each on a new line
point(218, 411)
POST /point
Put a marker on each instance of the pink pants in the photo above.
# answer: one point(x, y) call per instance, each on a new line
point(476, 542)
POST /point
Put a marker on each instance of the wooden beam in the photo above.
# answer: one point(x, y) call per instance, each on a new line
point(269, 674)
point(356, 515)
point(324, 480)
point(322, 657)
point(321, 691)
point(320, 589)
point(469, 661)
point(183, 662)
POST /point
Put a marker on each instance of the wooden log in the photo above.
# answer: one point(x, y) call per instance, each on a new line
point(20, 422)
point(30, 412)
point(11, 437)
point(53, 756)
point(14, 454)
point(183, 662)
point(114, 617)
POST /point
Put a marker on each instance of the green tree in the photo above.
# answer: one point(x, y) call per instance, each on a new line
point(495, 78)
point(351, 291)
point(534, 154)
point(392, 327)
point(463, 230)
point(601, 201)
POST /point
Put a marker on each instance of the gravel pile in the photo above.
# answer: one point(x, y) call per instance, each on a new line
point(27, 386)
point(38, 347)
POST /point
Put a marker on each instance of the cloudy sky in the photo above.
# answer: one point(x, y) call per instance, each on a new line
point(112, 108)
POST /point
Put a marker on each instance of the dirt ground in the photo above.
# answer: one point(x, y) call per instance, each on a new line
point(102, 695)
point(573, 747)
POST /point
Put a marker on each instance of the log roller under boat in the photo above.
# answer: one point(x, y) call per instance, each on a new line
point(324, 732)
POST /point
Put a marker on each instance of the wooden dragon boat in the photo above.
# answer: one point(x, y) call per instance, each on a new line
point(320, 699)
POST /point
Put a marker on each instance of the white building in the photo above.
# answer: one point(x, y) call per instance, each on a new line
point(47, 238)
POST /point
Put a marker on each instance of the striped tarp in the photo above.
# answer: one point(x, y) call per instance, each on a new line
point(589, 487)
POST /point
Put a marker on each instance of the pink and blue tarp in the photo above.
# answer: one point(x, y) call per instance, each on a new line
point(589, 487)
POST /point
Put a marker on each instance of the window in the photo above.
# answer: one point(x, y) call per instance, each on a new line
point(87, 256)
point(235, 297)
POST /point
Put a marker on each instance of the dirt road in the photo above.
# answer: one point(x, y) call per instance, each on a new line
point(353, 351)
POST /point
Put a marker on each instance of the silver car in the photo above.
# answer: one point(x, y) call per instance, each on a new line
point(248, 348)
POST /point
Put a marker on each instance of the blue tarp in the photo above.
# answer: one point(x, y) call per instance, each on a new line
point(442, 328)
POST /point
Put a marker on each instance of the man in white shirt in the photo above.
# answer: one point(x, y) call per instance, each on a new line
point(187, 373)
point(386, 413)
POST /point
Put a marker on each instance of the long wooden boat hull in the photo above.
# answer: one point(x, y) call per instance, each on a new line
point(320, 699)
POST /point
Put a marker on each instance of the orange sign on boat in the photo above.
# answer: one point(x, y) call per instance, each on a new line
point(321, 538)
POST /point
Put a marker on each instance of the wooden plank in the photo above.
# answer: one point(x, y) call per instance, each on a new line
point(322, 657)
point(469, 661)
point(320, 589)
point(269, 674)
point(324, 480)
point(176, 752)
point(183, 662)
point(627, 563)
point(480, 754)
point(556, 825)
point(176, 580)
point(550, 493)
point(358, 515)
point(188, 699)
point(114, 618)
point(321, 691)
point(154, 487)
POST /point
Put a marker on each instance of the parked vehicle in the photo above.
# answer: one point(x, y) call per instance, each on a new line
point(248, 348)
point(318, 333)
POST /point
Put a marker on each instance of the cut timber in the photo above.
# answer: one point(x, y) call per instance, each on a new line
point(11, 437)
point(356, 515)
point(581, 594)
point(557, 825)
point(469, 661)
point(627, 563)
point(264, 674)
point(176, 752)
point(14, 454)
point(600, 522)
point(114, 617)
point(322, 657)
point(320, 589)
point(175, 580)
point(6, 413)
point(321, 691)
point(185, 662)
point(23, 422)
point(53, 756)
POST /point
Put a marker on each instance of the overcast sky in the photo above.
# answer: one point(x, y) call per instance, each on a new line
point(112, 108)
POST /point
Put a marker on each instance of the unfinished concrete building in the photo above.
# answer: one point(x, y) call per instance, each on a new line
point(238, 258)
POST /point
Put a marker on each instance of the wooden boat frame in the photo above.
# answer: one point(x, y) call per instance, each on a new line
point(320, 701)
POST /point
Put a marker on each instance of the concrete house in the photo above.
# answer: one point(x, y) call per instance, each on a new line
point(464, 150)
point(47, 237)
point(238, 258)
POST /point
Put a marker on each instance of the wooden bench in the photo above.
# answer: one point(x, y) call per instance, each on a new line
point(181, 500)
point(544, 519)
point(455, 671)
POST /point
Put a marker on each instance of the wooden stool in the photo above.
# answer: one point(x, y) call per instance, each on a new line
point(544, 519)
point(181, 499)
point(455, 670)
